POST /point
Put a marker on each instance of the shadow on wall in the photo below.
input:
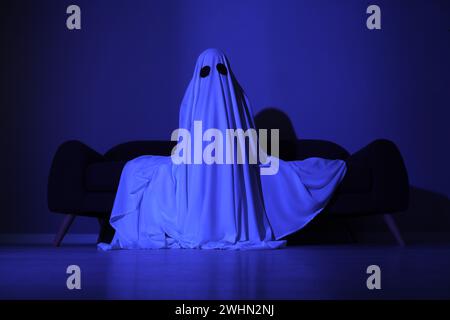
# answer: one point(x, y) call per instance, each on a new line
point(426, 221)
point(273, 118)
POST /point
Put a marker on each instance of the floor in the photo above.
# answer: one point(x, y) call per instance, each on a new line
point(306, 272)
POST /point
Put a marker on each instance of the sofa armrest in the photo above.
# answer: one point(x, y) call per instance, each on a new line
point(390, 177)
point(66, 189)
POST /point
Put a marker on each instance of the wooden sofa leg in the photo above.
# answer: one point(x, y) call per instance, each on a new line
point(393, 228)
point(64, 227)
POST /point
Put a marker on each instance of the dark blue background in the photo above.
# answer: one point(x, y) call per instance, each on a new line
point(123, 75)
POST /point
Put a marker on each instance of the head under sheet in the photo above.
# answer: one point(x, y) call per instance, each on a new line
point(214, 96)
point(216, 124)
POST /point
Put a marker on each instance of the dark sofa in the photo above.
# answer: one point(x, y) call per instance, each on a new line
point(83, 182)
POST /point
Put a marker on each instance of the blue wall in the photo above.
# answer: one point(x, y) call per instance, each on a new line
point(123, 75)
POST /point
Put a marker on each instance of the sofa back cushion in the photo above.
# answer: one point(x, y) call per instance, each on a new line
point(130, 150)
point(289, 149)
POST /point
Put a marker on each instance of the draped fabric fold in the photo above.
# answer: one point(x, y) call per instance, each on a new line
point(160, 204)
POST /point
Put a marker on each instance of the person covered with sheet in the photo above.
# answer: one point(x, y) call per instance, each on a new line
point(227, 204)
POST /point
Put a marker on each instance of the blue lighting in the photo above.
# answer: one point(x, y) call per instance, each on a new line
point(219, 206)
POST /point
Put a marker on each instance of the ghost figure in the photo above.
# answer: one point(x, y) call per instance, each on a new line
point(160, 204)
